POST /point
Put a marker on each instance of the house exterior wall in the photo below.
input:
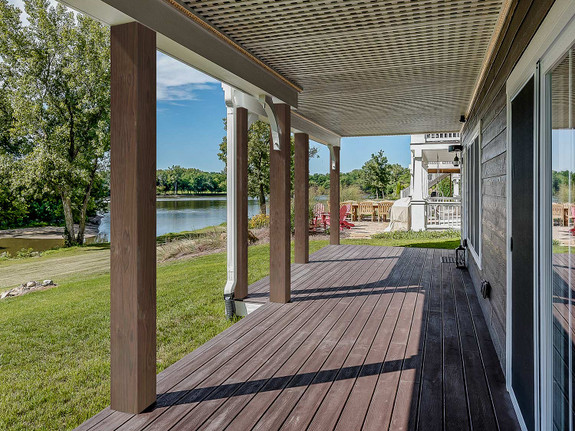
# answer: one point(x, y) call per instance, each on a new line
point(489, 110)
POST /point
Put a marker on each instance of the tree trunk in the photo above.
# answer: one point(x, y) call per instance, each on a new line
point(262, 199)
point(69, 219)
point(82, 227)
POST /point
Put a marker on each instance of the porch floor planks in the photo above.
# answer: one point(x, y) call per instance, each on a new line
point(267, 366)
point(277, 378)
point(374, 338)
point(185, 391)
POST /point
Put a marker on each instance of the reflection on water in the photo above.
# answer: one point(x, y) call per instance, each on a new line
point(173, 215)
point(185, 213)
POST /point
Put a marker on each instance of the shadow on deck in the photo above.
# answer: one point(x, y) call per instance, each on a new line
point(375, 338)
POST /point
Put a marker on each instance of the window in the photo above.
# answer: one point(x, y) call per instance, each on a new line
point(561, 100)
point(473, 180)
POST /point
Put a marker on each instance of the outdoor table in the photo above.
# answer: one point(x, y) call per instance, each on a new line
point(355, 208)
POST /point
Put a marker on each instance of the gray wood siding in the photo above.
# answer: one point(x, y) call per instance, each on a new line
point(490, 108)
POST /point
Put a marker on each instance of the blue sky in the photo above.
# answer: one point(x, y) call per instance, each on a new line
point(191, 109)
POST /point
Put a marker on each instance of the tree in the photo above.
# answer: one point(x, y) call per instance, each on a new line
point(259, 160)
point(399, 178)
point(375, 174)
point(57, 72)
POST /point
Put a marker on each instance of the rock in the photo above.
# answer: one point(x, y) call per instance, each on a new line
point(4, 294)
point(47, 283)
point(31, 284)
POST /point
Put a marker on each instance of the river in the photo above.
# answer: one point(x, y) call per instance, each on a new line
point(174, 214)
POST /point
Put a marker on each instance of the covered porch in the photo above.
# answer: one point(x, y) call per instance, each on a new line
point(374, 338)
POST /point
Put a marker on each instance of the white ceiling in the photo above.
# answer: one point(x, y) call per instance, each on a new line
point(367, 67)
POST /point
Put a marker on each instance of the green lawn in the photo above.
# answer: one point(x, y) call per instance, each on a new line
point(54, 357)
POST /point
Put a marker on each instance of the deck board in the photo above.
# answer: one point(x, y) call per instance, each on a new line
point(374, 338)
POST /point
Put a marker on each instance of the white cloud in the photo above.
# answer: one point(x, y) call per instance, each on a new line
point(178, 81)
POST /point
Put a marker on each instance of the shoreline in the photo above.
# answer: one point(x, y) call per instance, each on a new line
point(45, 232)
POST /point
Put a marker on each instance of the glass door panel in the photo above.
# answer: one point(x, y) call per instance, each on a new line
point(562, 84)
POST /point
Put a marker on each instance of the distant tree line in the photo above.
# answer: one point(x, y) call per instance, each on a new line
point(178, 180)
point(377, 178)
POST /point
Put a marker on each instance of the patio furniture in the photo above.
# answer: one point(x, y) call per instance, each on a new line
point(343, 224)
point(366, 208)
point(558, 214)
point(319, 216)
point(383, 209)
point(349, 215)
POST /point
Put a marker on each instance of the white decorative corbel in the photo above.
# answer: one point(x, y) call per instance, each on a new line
point(332, 157)
point(268, 105)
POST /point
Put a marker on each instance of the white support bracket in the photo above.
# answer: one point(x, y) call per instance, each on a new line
point(332, 157)
point(268, 105)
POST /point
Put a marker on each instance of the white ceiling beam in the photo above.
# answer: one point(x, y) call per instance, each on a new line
point(317, 133)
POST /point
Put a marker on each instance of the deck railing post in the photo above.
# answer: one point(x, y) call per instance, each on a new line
point(133, 217)
point(280, 229)
point(334, 196)
point(301, 196)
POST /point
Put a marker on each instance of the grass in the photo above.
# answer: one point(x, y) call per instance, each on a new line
point(55, 354)
point(448, 239)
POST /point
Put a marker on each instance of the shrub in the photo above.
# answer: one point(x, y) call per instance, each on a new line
point(426, 234)
point(351, 193)
point(259, 221)
point(26, 252)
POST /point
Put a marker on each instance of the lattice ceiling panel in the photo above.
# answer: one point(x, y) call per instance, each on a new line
point(367, 67)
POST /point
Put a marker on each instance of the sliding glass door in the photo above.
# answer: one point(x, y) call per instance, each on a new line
point(559, 327)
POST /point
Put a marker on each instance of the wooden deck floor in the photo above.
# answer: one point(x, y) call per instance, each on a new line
point(375, 338)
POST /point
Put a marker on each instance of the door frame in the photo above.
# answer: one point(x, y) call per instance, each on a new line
point(514, 87)
point(551, 41)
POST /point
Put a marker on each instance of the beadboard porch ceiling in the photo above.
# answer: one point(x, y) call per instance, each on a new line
point(366, 67)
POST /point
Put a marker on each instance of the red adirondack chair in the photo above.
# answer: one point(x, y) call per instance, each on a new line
point(342, 214)
point(319, 216)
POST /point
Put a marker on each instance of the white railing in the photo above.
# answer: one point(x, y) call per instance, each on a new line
point(443, 213)
point(438, 137)
point(443, 199)
point(406, 192)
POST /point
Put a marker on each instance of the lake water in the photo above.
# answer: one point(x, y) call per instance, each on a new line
point(173, 215)
point(185, 213)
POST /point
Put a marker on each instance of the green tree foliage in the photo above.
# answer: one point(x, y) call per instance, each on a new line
point(399, 179)
point(56, 76)
point(375, 174)
point(563, 184)
point(189, 180)
point(259, 160)
point(444, 187)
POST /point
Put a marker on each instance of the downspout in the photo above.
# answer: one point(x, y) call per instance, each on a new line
point(231, 236)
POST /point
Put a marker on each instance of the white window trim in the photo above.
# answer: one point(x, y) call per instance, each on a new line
point(474, 249)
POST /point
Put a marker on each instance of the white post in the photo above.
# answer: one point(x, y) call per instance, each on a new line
point(231, 234)
point(417, 205)
point(456, 183)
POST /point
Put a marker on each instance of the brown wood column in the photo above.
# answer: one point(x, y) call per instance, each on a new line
point(280, 235)
point(241, 290)
point(334, 196)
point(301, 193)
point(133, 218)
